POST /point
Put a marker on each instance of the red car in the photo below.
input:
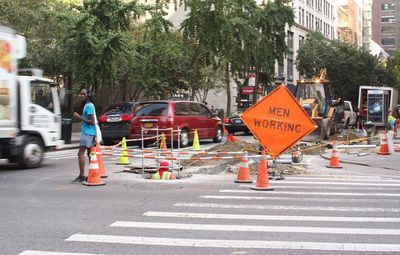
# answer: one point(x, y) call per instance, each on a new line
point(185, 115)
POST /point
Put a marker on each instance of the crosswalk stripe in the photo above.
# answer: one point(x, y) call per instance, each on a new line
point(281, 207)
point(300, 199)
point(29, 252)
point(250, 228)
point(323, 187)
point(249, 244)
point(315, 193)
point(269, 217)
point(339, 183)
point(355, 178)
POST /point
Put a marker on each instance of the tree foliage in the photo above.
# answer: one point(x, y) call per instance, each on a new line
point(347, 66)
point(95, 44)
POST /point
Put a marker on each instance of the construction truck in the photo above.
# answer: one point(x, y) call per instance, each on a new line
point(30, 112)
point(316, 97)
point(375, 102)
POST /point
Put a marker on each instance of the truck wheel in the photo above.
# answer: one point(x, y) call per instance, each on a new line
point(32, 153)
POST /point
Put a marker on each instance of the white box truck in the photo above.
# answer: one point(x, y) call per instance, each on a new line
point(374, 103)
point(30, 113)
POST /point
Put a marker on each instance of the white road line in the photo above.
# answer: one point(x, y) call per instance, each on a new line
point(314, 193)
point(281, 207)
point(323, 187)
point(250, 228)
point(356, 179)
point(248, 244)
point(301, 199)
point(29, 252)
point(340, 183)
point(269, 217)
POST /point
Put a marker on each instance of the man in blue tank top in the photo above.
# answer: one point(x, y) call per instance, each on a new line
point(88, 131)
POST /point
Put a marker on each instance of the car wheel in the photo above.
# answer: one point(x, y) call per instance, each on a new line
point(108, 142)
point(32, 153)
point(184, 140)
point(218, 135)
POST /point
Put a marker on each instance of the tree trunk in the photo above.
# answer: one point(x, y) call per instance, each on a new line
point(228, 90)
point(70, 106)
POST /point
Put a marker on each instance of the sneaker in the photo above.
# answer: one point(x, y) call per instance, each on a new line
point(79, 179)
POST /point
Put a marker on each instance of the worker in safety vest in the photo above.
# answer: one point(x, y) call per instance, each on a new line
point(163, 173)
point(391, 121)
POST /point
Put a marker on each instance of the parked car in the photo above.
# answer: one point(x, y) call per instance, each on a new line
point(185, 115)
point(350, 114)
point(115, 122)
point(235, 124)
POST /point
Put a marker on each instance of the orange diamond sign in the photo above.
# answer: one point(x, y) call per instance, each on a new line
point(278, 121)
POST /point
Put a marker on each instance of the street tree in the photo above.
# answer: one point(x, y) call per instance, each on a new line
point(348, 66)
point(243, 35)
point(98, 39)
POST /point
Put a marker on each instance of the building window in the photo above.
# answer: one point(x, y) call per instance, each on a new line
point(290, 40)
point(388, 30)
point(388, 18)
point(301, 40)
point(388, 41)
point(388, 7)
point(290, 69)
point(281, 72)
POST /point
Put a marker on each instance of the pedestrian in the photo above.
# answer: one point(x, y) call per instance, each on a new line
point(88, 131)
point(391, 121)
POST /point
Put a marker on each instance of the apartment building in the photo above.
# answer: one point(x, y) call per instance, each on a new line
point(386, 24)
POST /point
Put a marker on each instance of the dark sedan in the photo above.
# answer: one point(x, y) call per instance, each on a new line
point(116, 121)
point(234, 124)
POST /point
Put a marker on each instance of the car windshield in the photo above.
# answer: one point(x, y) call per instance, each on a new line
point(152, 109)
point(118, 109)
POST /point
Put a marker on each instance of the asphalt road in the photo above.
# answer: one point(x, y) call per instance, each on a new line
point(354, 210)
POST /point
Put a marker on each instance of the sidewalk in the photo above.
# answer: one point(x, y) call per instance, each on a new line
point(75, 136)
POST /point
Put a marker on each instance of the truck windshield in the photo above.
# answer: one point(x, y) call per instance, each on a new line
point(41, 95)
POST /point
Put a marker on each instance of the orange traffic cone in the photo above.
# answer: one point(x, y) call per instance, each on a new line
point(231, 138)
point(93, 178)
point(334, 162)
point(100, 159)
point(262, 177)
point(244, 172)
point(384, 148)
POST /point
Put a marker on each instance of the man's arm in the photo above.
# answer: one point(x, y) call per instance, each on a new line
point(89, 121)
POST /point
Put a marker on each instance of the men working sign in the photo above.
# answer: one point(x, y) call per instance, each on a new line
point(278, 121)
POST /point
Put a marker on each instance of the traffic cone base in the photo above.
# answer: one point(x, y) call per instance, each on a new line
point(244, 172)
point(93, 178)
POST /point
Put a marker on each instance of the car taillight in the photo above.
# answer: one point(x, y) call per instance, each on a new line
point(102, 119)
point(126, 117)
point(227, 120)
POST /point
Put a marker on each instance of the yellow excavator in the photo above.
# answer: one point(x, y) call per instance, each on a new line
point(315, 95)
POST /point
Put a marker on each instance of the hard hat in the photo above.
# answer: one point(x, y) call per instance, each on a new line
point(164, 165)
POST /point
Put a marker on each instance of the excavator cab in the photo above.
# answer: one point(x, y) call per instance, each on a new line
point(316, 97)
